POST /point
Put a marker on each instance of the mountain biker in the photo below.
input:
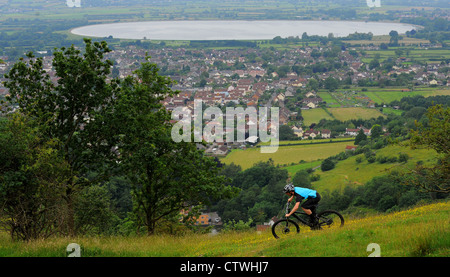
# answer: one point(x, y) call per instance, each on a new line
point(312, 199)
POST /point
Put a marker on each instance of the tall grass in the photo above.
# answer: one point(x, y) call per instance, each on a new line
point(421, 231)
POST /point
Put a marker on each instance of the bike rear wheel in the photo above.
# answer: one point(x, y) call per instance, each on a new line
point(285, 228)
point(330, 219)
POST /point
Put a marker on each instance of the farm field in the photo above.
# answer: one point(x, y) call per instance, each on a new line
point(422, 54)
point(349, 172)
point(421, 231)
point(377, 40)
point(285, 155)
point(329, 99)
point(306, 141)
point(387, 95)
point(314, 116)
point(344, 114)
point(356, 97)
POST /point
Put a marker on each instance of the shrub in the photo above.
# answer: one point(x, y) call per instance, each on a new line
point(327, 164)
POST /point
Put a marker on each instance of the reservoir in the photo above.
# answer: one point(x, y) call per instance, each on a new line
point(235, 29)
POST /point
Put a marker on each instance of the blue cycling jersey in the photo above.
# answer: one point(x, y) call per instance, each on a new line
point(305, 193)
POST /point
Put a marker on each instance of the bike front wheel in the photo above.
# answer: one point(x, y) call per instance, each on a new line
point(330, 219)
point(284, 228)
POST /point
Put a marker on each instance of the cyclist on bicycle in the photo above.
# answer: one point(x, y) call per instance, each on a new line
point(312, 199)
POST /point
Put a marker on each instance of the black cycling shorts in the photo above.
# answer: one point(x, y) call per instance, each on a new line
point(311, 202)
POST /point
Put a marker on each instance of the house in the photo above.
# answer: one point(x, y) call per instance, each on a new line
point(298, 131)
point(350, 148)
point(311, 134)
point(266, 225)
point(310, 94)
point(326, 133)
point(354, 132)
point(312, 102)
point(221, 151)
point(351, 132)
point(311, 105)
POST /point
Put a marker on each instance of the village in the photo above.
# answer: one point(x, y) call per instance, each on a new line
point(266, 76)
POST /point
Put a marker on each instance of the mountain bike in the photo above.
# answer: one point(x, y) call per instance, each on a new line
point(325, 220)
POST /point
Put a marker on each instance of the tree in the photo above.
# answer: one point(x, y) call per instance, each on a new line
point(166, 176)
point(331, 83)
point(360, 137)
point(433, 135)
point(302, 179)
point(32, 175)
point(286, 133)
point(374, 64)
point(393, 41)
point(376, 131)
point(313, 84)
point(327, 164)
point(70, 111)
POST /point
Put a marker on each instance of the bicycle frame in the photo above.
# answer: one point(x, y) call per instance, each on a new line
point(296, 216)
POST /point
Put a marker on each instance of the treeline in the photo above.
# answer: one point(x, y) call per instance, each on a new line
point(260, 196)
point(435, 29)
point(221, 43)
point(21, 36)
point(305, 38)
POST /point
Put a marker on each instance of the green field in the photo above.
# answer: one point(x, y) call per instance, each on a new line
point(302, 166)
point(329, 99)
point(349, 172)
point(419, 232)
point(306, 141)
point(387, 95)
point(314, 116)
point(422, 54)
point(340, 104)
point(285, 155)
point(344, 114)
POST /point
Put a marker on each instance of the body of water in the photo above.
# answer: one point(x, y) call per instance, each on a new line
point(235, 30)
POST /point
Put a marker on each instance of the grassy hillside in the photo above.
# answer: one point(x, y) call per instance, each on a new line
point(350, 172)
point(421, 231)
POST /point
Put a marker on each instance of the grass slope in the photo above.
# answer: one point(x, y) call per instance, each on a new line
point(421, 231)
point(349, 172)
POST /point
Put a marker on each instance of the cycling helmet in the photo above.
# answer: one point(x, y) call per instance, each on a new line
point(288, 188)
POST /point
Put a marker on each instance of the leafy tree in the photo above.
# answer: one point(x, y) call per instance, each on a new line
point(331, 83)
point(260, 197)
point(166, 176)
point(286, 133)
point(302, 179)
point(32, 175)
point(360, 137)
point(374, 64)
point(327, 164)
point(93, 213)
point(394, 37)
point(376, 131)
point(434, 135)
point(70, 111)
